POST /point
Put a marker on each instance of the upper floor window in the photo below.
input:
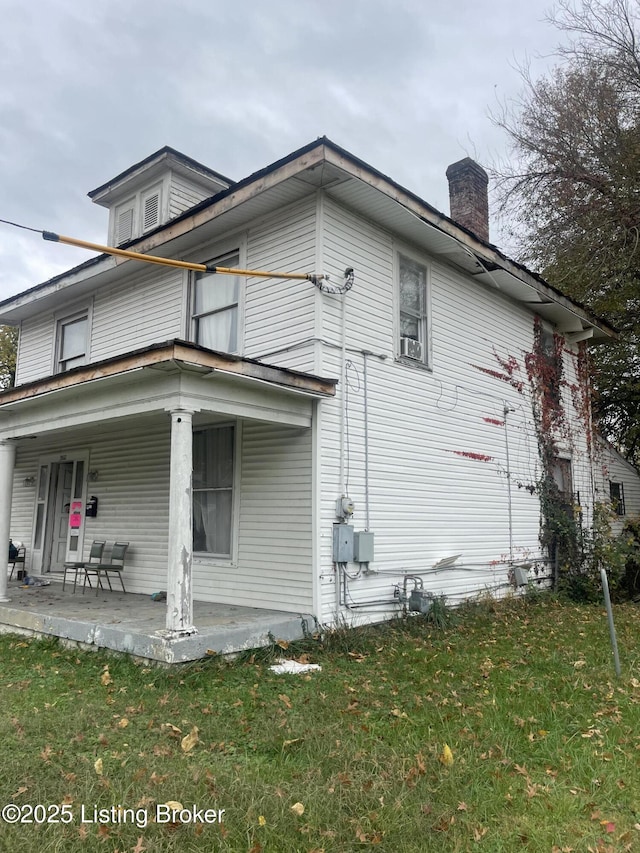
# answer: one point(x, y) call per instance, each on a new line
point(213, 490)
point(72, 342)
point(215, 307)
point(414, 309)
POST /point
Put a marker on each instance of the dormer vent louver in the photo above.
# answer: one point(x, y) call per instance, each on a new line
point(125, 226)
point(151, 211)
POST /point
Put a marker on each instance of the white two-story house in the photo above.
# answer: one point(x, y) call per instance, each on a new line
point(303, 445)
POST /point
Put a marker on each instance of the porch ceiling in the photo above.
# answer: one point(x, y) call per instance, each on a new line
point(162, 378)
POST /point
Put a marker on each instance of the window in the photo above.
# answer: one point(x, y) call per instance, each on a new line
point(215, 307)
point(616, 493)
point(414, 343)
point(213, 490)
point(561, 473)
point(72, 342)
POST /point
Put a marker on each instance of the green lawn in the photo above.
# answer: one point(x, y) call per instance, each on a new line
point(544, 742)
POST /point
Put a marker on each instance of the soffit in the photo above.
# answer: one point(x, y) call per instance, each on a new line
point(387, 212)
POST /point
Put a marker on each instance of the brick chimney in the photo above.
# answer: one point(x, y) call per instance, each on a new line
point(468, 198)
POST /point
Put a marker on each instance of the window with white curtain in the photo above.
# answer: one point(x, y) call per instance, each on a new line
point(213, 490)
point(215, 306)
point(72, 341)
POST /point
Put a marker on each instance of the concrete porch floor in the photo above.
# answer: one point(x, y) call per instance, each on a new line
point(126, 622)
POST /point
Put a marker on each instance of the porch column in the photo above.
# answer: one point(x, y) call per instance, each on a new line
point(7, 462)
point(179, 590)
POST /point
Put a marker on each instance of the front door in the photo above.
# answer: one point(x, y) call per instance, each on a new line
point(59, 520)
point(61, 485)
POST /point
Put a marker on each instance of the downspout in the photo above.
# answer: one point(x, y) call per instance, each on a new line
point(343, 384)
point(367, 525)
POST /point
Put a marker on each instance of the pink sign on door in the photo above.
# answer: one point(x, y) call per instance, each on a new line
point(75, 516)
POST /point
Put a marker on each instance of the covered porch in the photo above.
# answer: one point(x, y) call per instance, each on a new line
point(135, 433)
point(133, 624)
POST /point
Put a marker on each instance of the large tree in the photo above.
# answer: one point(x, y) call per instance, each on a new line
point(573, 187)
point(8, 351)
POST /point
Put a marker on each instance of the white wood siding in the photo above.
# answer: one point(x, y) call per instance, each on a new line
point(281, 313)
point(144, 309)
point(273, 567)
point(35, 356)
point(616, 469)
point(183, 194)
point(437, 442)
point(23, 498)
point(133, 493)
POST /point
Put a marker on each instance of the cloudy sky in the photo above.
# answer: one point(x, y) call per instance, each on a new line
point(90, 87)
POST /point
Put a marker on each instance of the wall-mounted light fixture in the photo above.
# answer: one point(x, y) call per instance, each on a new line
point(29, 481)
point(92, 476)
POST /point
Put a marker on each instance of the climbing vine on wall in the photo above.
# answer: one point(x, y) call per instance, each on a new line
point(561, 533)
point(559, 528)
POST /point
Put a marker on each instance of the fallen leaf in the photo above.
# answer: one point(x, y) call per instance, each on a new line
point(105, 678)
point(97, 765)
point(285, 699)
point(174, 805)
point(158, 779)
point(139, 848)
point(123, 723)
point(189, 741)
point(298, 809)
point(262, 821)
point(446, 757)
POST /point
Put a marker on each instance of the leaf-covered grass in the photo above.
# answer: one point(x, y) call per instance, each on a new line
point(545, 741)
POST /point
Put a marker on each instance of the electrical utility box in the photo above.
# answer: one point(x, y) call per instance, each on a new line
point(363, 547)
point(343, 543)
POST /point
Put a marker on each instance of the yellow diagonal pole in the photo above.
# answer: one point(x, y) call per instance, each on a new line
point(170, 262)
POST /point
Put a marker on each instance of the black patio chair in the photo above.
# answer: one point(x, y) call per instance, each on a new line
point(115, 566)
point(95, 556)
point(18, 560)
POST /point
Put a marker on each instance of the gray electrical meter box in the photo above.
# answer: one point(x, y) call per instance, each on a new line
point(363, 547)
point(343, 543)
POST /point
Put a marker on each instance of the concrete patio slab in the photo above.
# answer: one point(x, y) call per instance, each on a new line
point(129, 623)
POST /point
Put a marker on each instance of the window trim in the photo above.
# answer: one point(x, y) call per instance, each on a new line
point(211, 556)
point(62, 320)
point(426, 362)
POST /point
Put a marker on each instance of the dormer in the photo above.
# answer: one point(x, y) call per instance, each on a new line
point(154, 191)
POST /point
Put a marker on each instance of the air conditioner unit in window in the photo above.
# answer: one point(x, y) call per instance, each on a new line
point(411, 348)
